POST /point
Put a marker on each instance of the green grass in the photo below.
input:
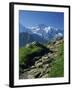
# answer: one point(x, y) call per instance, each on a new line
point(57, 69)
point(57, 65)
point(25, 52)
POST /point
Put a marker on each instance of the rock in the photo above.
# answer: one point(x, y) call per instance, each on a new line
point(55, 55)
point(30, 77)
point(32, 71)
point(45, 76)
point(34, 42)
point(44, 57)
point(45, 61)
point(48, 70)
point(38, 61)
point(50, 55)
point(40, 64)
point(53, 42)
point(27, 45)
point(32, 67)
point(37, 74)
point(46, 66)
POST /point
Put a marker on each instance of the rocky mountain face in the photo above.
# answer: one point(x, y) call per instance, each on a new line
point(40, 33)
point(43, 64)
point(25, 38)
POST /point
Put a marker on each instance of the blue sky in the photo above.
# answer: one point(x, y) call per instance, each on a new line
point(33, 18)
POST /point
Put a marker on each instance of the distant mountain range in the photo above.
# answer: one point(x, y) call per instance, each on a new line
point(40, 33)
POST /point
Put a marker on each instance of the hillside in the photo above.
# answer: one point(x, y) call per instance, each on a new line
point(26, 37)
point(39, 61)
point(57, 69)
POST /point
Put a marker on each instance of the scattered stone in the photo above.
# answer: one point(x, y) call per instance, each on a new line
point(50, 55)
point(48, 70)
point(46, 66)
point(55, 55)
point(38, 61)
point(27, 45)
point(45, 76)
point(32, 67)
point(45, 61)
point(30, 76)
point(32, 71)
point(44, 57)
point(40, 64)
point(37, 74)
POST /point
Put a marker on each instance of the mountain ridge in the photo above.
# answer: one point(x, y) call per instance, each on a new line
point(41, 33)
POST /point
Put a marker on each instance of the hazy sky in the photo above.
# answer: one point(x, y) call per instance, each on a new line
point(32, 18)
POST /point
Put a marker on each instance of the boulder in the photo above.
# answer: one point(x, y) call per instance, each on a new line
point(32, 67)
point(44, 57)
point(40, 64)
point(38, 61)
point(45, 61)
point(36, 75)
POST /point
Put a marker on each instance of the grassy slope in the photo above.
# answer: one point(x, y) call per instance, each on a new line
point(25, 52)
point(57, 69)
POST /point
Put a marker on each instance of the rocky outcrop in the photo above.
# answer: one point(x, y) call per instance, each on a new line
point(42, 64)
point(40, 69)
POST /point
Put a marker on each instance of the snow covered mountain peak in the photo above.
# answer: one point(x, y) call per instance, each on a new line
point(44, 31)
